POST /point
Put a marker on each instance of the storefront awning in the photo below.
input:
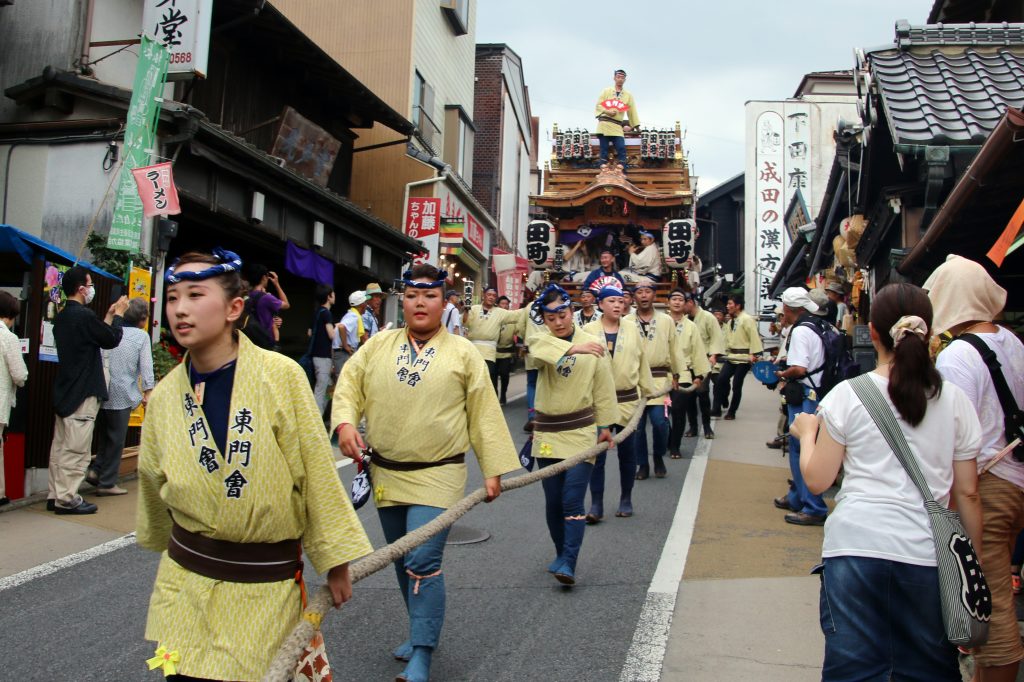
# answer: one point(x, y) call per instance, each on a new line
point(27, 246)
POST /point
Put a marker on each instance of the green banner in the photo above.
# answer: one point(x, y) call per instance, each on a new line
point(139, 138)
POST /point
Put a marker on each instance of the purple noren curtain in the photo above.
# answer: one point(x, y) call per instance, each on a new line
point(305, 263)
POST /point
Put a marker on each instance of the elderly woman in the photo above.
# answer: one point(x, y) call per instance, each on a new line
point(13, 372)
point(129, 362)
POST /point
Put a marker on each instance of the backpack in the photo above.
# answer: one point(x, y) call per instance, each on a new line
point(1013, 417)
point(839, 363)
point(250, 325)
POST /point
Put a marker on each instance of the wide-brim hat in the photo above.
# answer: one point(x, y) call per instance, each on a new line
point(373, 289)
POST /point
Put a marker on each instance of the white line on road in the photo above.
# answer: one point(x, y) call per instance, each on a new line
point(647, 652)
point(65, 562)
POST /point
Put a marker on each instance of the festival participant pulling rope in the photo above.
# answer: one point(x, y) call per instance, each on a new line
point(283, 666)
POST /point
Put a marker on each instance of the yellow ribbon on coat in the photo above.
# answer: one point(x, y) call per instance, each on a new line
point(166, 660)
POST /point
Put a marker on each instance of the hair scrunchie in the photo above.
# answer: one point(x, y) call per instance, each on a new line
point(908, 324)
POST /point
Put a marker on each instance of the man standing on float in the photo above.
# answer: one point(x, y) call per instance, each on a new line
point(614, 106)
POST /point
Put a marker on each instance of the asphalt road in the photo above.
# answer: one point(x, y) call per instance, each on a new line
point(507, 618)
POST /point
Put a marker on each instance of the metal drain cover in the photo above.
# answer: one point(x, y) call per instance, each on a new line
point(464, 535)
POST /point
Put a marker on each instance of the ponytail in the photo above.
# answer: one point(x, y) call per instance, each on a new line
point(913, 379)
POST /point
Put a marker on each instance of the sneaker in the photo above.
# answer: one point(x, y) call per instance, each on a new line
point(82, 508)
point(51, 505)
point(111, 491)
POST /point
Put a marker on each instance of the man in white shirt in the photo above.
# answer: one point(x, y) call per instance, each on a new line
point(966, 300)
point(644, 261)
point(452, 318)
point(805, 358)
point(353, 330)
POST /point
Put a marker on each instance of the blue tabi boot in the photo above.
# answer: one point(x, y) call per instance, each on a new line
point(574, 529)
point(625, 507)
point(403, 652)
point(596, 513)
point(418, 669)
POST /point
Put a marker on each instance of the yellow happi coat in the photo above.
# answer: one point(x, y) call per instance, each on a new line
point(710, 332)
point(278, 446)
point(424, 407)
point(741, 335)
point(526, 329)
point(483, 327)
point(630, 368)
point(691, 348)
point(507, 337)
point(661, 349)
point(569, 383)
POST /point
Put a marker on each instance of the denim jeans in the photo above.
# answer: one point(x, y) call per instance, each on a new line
point(423, 591)
point(882, 620)
point(620, 148)
point(564, 496)
point(800, 498)
point(627, 468)
point(659, 430)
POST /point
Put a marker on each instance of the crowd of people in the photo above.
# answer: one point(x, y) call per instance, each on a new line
point(237, 474)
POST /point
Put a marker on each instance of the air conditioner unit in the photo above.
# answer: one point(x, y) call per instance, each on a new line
point(258, 201)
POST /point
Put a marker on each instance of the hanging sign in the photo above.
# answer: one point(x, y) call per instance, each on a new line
point(139, 137)
point(157, 191)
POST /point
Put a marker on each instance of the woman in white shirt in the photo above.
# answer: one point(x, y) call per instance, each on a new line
point(880, 608)
point(13, 372)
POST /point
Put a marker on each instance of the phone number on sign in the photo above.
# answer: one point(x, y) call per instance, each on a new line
point(181, 58)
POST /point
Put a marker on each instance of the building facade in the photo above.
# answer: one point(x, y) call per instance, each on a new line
point(421, 58)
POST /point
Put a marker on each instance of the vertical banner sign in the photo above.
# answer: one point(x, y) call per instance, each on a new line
point(139, 137)
point(183, 27)
point(423, 222)
point(770, 187)
point(452, 230)
point(475, 233)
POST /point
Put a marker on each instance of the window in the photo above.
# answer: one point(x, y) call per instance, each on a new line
point(457, 14)
point(458, 141)
point(423, 110)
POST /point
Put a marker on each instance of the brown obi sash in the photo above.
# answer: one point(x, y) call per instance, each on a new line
point(739, 351)
point(236, 562)
point(553, 423)
point(506, 349)
point(658, 372)
point(628, 395)
point(385, 463)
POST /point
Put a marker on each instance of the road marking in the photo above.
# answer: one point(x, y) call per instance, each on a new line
point(516, 397)
point(343, 463)
point(647, 652)
point(66, 562)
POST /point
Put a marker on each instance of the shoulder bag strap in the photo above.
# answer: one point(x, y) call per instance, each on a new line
point(1006, 399)
point(879, 410)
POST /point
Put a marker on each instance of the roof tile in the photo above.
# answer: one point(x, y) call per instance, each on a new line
point(954, 95)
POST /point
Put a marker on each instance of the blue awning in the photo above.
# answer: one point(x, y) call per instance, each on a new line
point(13, 240)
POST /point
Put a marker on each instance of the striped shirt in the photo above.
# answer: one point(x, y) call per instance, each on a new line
point(130, 360)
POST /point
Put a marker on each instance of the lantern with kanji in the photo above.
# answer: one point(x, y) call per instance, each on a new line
point(677, 241)
point(541, 239)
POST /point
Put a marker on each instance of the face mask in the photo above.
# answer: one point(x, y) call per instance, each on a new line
point(90, 293)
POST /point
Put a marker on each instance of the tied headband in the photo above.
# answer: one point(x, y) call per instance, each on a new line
point(908, 324)
point(229, 262)
point(436, 284)
point(608, 292)
point(538, 309)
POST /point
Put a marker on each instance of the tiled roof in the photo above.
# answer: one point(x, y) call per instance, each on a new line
point(948, 95)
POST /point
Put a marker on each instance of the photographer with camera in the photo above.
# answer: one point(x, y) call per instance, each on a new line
point(987, 363)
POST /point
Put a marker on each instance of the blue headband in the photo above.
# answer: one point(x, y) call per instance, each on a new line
point(645, 233)
point(644, 283)
point(608, 292)
point(538, 309)
point(229, 262)
point(436, 284)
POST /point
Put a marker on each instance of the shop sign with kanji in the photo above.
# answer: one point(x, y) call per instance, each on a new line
point(183, 27)
point(157, 191)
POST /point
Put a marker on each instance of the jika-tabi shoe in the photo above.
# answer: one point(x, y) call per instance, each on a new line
point(625, 508)
point(642, 473)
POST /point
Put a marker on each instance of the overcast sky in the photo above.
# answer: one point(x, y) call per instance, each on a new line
point(695, 62)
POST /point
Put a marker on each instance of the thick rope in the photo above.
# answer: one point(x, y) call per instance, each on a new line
point(283, 666)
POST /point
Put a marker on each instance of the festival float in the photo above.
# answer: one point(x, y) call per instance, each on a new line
point(605, 206)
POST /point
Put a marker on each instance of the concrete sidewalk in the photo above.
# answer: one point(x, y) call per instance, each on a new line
point(747, 608)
